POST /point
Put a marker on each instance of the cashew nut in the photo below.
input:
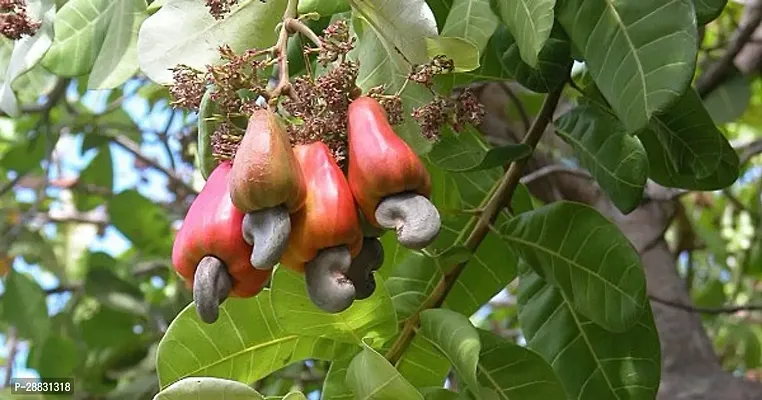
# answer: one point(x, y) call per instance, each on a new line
point(370, 259)
point(211, 286)
point(413, 216)
point(327, 284)
point(267, 230)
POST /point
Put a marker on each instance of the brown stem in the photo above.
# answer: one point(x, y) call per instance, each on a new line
point(297, 26)
point(13, 345)
point(495, 204)
point(280, 50)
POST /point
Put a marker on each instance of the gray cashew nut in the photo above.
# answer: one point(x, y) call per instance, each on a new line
point(327, 283)
point(211, 286)
point(413, 216)
point(267, 230)
point(370, 259)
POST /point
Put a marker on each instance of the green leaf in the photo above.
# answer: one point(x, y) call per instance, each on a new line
point(464, 54)
point(423, 364)
point(617, 160)
point(373, 317)
point(183, 32)
point(590, 362)
point(641, 54)
point(586, 256)
point(515, 371)
point(253, 333)
point(142, 221)
point(323, 7)
point(441, 10)
point(96, 37)
point(27, 53)
point(25, 155)
point(108, 328)
point(454, 335)
point(708, 10)
point(99, 174)
point(472, 20)
point(205, 161)
point(438, 393)
point(334, 384)
point(404, 24)
point(370, 376)
point(553, 62)
point(381, 64)
point(202, 388)
point(24, 306)
point(729, 100)
point(686, 150)
point(530, 22)
point(450, 155)
point(103, 284)
point(56, 357)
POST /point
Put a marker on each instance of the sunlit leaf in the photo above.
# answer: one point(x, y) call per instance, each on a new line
point(190, 348)
point(530, 22)
point(373, 317)
point(24, 306)
point(370, 375)
point(184, 32)
point(201, 388)
point(472, 20)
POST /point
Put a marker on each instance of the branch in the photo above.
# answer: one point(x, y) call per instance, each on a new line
point(281, 51)
point(13, 346)
point(554, 169)
point(706, 310)
point(129, 145)
point(54, 97)
point(499, 199)
point(714, 76)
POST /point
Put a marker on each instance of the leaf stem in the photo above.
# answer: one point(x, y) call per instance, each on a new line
point(499, 199)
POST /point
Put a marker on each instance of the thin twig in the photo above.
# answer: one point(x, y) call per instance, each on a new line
point(280, 50)
point(132, 147)
point(519, 105)
point(706, 310)
point(554, 169)
point(716, 73)
point(499, 199)
point(13, 345)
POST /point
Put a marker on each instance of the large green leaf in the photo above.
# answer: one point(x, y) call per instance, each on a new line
point(423, 364)
point(25, 155)
point(246, 334)
point(515, 371)
point(472, 20)
point(183, 32)
point(530, 22)
point(708, 10)
point(27, 53)
point(373, 317)
point(441, 10)
point(24, 307)
point(458, 339)
point(686, 150)
point(203, 388)
point(616, 159)
point(370, 376)
point(381, 64)
point(98, 37)
point(586, 256)
point(142, 221)
point(56, 357)
point(591, 362)
point(403, 24)
point(729, 100)
point(642, 54)
point(334, 384)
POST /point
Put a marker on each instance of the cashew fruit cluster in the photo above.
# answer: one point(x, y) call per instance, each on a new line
point(293, 205)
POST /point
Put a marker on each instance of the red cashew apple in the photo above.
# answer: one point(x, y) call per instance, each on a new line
point(388, 180)
point(266, 183)
point(209, 251)
point(326, 232)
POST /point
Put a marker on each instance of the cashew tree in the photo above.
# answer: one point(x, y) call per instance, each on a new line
point(408, 199)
